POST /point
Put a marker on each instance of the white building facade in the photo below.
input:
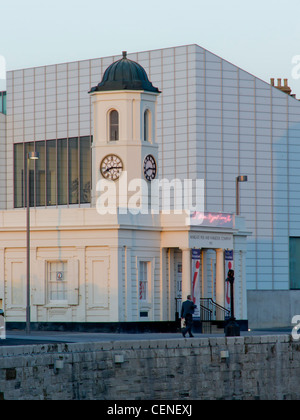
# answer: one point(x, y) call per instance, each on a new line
point(211, 121)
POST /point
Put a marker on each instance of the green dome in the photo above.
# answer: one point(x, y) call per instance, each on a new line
point(125, 74)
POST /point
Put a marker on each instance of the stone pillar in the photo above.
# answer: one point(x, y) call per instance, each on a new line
point(128, 284)
point(116, 306)
point(204, 290)
point(186, 273)
point(164, 285)
point(172, 284)
point(220, 277)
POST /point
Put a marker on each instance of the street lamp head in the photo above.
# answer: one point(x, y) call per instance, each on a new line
point(240, 178)
point(33, 155)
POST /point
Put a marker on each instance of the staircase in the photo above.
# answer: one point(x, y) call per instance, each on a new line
point(213, 316)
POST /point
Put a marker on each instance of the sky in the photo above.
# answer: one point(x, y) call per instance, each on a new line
point(259, 36)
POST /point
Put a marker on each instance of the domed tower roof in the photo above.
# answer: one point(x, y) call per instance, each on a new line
point(125, 74)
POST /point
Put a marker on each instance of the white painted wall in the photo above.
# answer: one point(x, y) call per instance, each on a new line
point(3, 168)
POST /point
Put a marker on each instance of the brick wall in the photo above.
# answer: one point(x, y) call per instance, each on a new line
point(265, 367)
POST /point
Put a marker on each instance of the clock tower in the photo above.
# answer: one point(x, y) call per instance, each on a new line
point(124, 151)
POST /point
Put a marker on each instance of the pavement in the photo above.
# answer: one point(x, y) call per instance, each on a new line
point(16, 337)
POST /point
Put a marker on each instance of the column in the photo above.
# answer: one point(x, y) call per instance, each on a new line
point(116, 306)
point(172, 280)
point(186, 273)
point(164, 285)
point(128, 285)
point(241, 312)
point(204, 290)
point(2, 277)
point(220, 277)
point(2, 303)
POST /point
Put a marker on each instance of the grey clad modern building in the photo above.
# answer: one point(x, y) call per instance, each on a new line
point(214, 121)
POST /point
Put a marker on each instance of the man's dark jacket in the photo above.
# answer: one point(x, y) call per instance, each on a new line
point(188, 307)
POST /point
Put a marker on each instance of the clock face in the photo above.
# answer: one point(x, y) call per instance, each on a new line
point(150, 168)
point(111, 167)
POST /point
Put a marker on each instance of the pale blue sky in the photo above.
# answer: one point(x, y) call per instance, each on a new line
point(261, 36)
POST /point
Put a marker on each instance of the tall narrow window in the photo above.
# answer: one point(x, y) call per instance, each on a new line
point(29, 147)
point(85, 170)
point(51, 172)
point(113, 126)
point(73, 171)
point(147, 125)
point(143, 280)
point(62, 171)
point(57, 281)
point(19, 175)
point(2, 99)
point(40, 174)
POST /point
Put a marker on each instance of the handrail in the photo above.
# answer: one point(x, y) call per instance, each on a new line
point(205, 311)
point(215, 304)
point(208, 309)
point(214, 307)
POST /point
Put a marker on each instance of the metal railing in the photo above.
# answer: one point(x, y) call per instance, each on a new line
point(205, 316)
point(218, 312)
point(178, 308)
point(209, 311)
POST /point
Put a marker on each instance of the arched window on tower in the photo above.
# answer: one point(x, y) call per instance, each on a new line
point(147, 120)
point(113, 125)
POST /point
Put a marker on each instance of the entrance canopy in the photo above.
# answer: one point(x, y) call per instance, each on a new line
point(209, 231)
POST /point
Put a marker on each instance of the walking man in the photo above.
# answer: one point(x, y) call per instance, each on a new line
point(187, 311)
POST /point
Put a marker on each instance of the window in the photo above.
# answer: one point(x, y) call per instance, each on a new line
point(73, 171)
point(51, 176)
point(147, 118)
point(85, 169)
point(19, 175)
point(295, 263)
point(57, 281)
point(143, 280)
point(113, 126)
point(2, 99)
point(40, 175)
point(29, 147)
point(62, 172)
point(61, 175)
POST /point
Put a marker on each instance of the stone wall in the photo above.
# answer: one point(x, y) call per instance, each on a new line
point(254, 367)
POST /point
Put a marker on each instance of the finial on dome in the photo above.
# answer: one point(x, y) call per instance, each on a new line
point(124, 54)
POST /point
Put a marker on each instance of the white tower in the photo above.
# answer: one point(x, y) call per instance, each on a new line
point(124, 152)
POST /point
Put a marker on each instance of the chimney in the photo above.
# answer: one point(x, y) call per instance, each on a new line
point(285, 88)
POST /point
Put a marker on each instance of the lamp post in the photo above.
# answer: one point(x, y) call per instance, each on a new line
point(232, 329)
point(30, 156)
point(241, 178)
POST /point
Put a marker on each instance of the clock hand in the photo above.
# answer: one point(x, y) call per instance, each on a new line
point(113, 167)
